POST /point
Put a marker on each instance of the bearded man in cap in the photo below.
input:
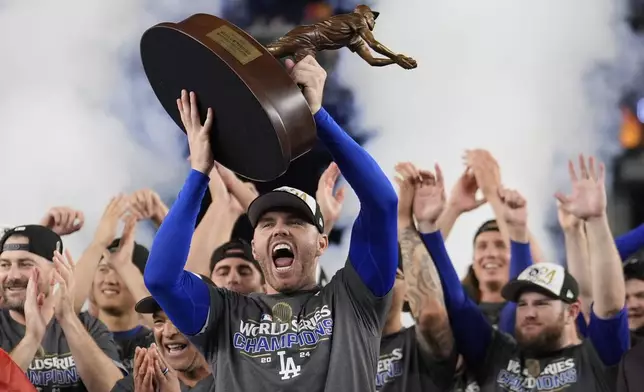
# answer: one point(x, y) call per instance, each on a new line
point(56, 347)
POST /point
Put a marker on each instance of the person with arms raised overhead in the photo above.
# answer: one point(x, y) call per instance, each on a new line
point(545, 356)
point(296, 336)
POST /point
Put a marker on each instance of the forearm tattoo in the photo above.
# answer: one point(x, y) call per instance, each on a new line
point(424, 292)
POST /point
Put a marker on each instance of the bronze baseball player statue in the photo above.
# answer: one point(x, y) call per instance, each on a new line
point(352, 30)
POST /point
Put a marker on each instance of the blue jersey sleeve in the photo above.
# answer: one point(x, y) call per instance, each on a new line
point(520, 259)
point(610, 337)
point(373, 252)
point(629, 243)
point(472, 332)
point(182, 295)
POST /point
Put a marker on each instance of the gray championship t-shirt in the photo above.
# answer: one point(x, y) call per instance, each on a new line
point(325, 339)
point(404, 367)
point(127, 385)
point(572, 369)
point(56, 370)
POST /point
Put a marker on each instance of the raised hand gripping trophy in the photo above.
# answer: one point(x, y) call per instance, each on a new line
point(262, 121)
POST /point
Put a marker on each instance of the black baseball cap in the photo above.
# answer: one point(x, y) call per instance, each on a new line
point(634, 267)
point(547, 278)
point(234, 248)
point(42, 240)
point(490, 225)
point(149, 305)
point(287, 198)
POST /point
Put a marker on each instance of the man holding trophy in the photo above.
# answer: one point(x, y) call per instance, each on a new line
point(296, 336)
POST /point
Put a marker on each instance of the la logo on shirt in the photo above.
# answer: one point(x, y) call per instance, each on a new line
point(282, 342)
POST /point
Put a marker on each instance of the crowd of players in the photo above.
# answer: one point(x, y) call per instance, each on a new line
point(201, 311)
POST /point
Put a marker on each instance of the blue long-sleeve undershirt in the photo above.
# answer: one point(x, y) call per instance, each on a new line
point(520, 259)
point(374, 245)
point(472, 332)
point(629, 243)
point(182, 295)
point(610, 337)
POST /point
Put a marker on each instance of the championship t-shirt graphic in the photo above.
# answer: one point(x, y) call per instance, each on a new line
point(571, 369)
point(322, 339)
point(282, 340)
point(53, 368)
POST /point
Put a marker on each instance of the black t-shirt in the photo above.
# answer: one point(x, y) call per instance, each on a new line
point(206, 385)
point(573, 369)
point(492, 311)
point(465, 381)
point(128, 341)
point(404, 367)
point(56, 369)
point(631, 371)
point(325, 339)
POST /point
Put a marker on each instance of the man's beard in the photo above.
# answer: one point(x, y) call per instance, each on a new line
point(13, 303)
point(547, 341)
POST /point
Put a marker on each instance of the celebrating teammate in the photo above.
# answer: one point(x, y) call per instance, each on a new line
point(296, 336)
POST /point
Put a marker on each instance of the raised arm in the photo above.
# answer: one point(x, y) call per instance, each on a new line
point(514, 213)
point(424, 291)
point(608, 328)
point(98, 371)
point(374, 246)
point(216, 226)
point(488, 177)
point(105, 233)
point(461, 199)
point(472, 332)
point(577, 258)
point(181, 294)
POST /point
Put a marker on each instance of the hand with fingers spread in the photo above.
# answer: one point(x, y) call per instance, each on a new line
point(64, 288)
point(143, 371)
point(148, 205)
point(201, 157)
point(463, 196)
point(330, 201)
point(165, 377)
point(114, 212)
point(588, 197)
point(311, 76)
point(38, 306)
point(63, 220)
point(406, 177)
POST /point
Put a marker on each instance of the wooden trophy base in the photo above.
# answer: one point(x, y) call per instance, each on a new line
point(262, 121)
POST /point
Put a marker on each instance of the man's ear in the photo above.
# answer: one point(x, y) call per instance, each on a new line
point(252, 246)
point(323, 243)
point(573, 310)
